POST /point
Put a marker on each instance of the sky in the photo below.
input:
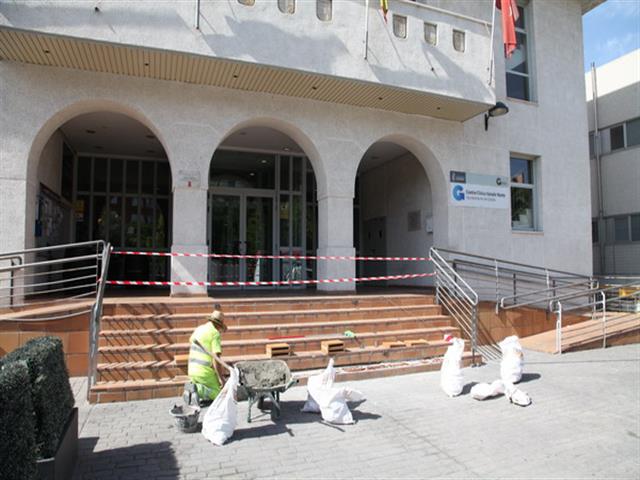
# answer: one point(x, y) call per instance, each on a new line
point(611, 30)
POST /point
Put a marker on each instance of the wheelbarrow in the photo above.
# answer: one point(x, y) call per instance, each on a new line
point(264, 379)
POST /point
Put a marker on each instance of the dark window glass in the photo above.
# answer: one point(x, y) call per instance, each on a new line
point(592, 145)
point(285, 215)
point(621, 225)
point(617, 137)
point(99, 214)
point(518, 60)
point(635, 228)
point(522, 208)
point(297, 174)
point(517, 86)
point(162, 223)
point(284, 173)
point(131, 220)
point(116, 182)
point(133, 173)
point(100, 175)
point(521, 171)
point(83, 216)
point(594, 231)
point(242, 170)
point(148, 169)
point(633, 132)
point(521, 22)
point(164, 179)
point(67, 173)
point(115, 221)
point(84, 174)
point(147, 207)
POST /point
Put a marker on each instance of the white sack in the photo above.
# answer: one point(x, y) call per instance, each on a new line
point(517, 396)
point(451, 379)
point(324, 379)
point(330, 402)
point(482, 391)
point(512, 362)
point(222, 416)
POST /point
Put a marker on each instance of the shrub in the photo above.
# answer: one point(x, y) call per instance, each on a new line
point(51, 393)
point(18, 441)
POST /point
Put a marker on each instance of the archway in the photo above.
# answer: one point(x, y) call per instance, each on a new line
point(262, 201)
point(393, 211)
point(104, 175)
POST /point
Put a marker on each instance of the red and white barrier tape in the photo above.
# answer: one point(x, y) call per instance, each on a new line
point(270, 257)
point(281, 282)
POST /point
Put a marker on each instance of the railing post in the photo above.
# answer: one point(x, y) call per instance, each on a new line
point(559, 328)
point(497, 286)
point(474, 335)
point(604, 319)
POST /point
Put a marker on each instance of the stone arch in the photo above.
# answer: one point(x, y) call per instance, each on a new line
point(295, 133)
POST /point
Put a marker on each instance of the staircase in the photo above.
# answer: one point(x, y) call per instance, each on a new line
point(144, 343)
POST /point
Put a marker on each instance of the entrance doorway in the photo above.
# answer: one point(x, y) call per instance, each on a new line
point(242, 224)
point(261, 202)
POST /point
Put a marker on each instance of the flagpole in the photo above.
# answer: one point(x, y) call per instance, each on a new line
point(366, 29)
point(493, 23)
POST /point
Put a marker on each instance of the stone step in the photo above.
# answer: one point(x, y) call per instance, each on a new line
point(249, 332)
point(188, 320)
point(155, 305)
point(129, 390)
point(167, 351)
point(305, 360)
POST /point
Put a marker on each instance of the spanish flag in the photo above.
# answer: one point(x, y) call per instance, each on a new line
point(384, 5)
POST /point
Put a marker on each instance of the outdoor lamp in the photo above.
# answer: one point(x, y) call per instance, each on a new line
point(497, 110)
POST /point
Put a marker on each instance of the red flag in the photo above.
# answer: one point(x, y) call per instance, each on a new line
point(509, 18)
point(384, 5)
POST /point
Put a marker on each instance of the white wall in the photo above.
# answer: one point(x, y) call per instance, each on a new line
point(50, 167)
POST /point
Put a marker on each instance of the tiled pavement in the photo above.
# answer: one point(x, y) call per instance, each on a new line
point(584, 422)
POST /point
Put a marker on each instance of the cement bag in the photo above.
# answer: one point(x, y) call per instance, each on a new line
point(324, 379)
point(482, 391)
point(512, 360)
point(451, 379)
point(517, 396)
point(221, 417)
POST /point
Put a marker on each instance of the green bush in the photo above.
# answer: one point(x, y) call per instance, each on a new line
point(50, 390)
point(17, 441)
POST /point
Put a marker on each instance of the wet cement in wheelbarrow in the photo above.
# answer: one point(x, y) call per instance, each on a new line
point(264, 375)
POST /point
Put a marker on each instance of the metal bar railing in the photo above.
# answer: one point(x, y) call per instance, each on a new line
point(94, 326)
point(542, 295)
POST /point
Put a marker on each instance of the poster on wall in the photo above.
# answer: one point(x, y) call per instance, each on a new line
point(477, 190)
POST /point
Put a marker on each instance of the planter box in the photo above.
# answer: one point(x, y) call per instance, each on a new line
point(61, 466)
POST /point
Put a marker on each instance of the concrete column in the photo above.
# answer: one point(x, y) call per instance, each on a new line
point(335, 237)
point(189, 236)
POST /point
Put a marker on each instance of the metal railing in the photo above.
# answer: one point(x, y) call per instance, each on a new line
point(54, 283)
point(512, 284)
point(459, 300)
point(591, 301)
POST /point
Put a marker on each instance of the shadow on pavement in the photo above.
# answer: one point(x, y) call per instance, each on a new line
point(528, 377)
point(145, 460)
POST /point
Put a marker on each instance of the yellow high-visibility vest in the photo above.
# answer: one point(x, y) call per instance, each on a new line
point(205, 341)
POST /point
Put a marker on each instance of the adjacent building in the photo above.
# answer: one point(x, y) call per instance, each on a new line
point(614, 113)
point(296, 128)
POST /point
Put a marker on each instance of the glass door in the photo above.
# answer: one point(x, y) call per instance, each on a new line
point(225, 237)
point(258, 237)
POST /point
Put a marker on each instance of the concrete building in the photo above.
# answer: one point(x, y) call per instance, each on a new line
point(281, 128)
point(615, 165)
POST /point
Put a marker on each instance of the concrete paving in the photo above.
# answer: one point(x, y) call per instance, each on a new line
point(584, 422)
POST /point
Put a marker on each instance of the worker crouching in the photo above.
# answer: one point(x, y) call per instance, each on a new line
point(205, 365)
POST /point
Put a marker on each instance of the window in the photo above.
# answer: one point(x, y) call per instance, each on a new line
point(523, 194)
point(594, 231)
point(617, 137)
point(635, 228)
point(459, 41)
point(323, 10)
point(247, 3)
point(431, 33)
point(633, 132)
point(592, 145)
point(399, 26)
point(518, 66)
point(621, 229)
point(287, 6)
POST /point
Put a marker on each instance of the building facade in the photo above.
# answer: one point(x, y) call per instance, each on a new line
point(291, 127)
point(615, 164)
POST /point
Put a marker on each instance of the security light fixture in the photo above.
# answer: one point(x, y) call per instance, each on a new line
point(497, 110)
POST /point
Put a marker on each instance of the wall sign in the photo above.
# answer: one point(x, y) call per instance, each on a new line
point(476, 190)
point(188, 178)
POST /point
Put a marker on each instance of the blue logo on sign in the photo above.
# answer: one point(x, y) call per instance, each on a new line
point(458, 193)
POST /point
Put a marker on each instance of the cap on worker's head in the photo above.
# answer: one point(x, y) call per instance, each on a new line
point(217, 318)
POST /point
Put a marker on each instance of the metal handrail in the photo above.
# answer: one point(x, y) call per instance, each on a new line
point(12, 259)
point(550, 290)
point(455, 294)
point(52, 247)
point(557, 307)
point(96, 314)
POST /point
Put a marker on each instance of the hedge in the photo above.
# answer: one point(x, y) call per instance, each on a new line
point(50, 390)
point(17, 441)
